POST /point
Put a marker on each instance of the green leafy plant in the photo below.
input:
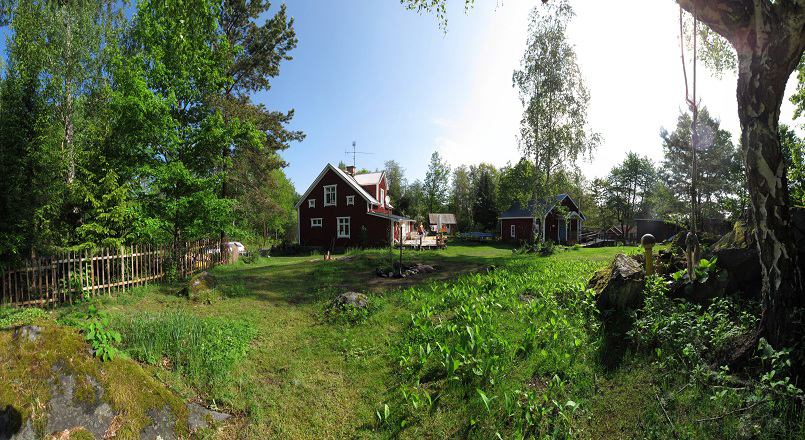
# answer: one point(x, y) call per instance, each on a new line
point(14, 316)
point(704, 271)
point(98, 334)
point(73, 281)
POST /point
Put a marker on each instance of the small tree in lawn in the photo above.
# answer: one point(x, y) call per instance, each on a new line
point(436, 183)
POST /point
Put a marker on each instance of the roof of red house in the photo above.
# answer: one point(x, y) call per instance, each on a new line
point(517, 211)
point(368, 178)
point(347, 178)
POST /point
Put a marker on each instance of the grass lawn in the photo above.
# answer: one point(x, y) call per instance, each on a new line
point(494, 342)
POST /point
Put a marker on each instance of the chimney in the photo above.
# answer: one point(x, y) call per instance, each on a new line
point(351, 170)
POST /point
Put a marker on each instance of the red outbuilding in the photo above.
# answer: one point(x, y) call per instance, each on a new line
point(557, 218)
point(342, 209)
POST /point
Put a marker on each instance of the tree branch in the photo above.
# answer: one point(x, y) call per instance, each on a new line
point(723, 16)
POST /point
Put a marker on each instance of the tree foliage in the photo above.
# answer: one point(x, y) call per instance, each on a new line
point(720, 180)
point(116, 131)
point(462, 198)
point(436, 183)
point(628, 189)
point(553, 128)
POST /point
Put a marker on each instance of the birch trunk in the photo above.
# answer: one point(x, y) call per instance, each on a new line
point(769, 39)
point(761, 89)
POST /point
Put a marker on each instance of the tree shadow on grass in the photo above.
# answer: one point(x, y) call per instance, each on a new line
point(615, 338)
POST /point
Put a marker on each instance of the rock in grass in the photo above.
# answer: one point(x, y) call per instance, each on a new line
point(199, 286)
point(619, 285)
point(30, 332)
point(349, 300)
point(197, 416)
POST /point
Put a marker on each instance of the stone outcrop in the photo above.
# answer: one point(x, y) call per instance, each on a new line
point(619, 285)
point(406, 270)
point(737, 254)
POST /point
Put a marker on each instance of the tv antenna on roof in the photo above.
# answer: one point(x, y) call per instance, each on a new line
point(353, 152)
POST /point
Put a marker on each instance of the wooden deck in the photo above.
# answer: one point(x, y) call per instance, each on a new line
point(429, 242)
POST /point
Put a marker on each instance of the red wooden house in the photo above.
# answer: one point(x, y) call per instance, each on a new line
point(342, 209)
point(558, 218)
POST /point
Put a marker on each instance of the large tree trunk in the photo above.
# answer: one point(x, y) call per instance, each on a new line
point(769, 39)
point(761, 88)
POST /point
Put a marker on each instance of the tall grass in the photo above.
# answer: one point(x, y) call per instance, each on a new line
point(202, 349)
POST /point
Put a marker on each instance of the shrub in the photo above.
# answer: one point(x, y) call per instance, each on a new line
point(98, 334)
point(681, 333)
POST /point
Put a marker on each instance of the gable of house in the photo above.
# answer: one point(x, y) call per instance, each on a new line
point(517, 211)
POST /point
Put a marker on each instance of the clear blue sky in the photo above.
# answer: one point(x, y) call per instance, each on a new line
point(374, 73)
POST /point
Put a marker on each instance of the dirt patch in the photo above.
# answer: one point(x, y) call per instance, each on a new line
point(367, 280)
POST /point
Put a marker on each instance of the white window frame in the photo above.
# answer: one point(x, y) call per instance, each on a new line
point(383, 197)
point(350, 200)
point(341, 221)
point(333, 198)
point(315, 222)
point(512, 231)
point(311, 203)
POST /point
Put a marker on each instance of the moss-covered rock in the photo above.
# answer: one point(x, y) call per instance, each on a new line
point(202, 287)
point(737, 254)
point(57, 370)
point(619, 285)
point(742, 236)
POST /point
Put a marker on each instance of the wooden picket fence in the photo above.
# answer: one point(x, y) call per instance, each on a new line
point(68, 276)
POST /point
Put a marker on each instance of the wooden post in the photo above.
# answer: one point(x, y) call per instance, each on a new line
point(123, 268)
point(150, 263)
point(55, 288)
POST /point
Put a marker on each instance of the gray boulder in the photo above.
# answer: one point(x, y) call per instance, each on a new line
point(619, 285)
point(737, 254)
point(201, 284)
point(349, 300)
point(68, 410)
point(30, 332)
point(197, 416)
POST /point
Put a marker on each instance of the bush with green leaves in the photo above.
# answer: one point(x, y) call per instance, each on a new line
point(681, 333)
point(98, 333)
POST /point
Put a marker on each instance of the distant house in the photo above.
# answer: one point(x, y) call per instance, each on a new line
point(558, 219)
point(444, 223)
point(342, 209)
